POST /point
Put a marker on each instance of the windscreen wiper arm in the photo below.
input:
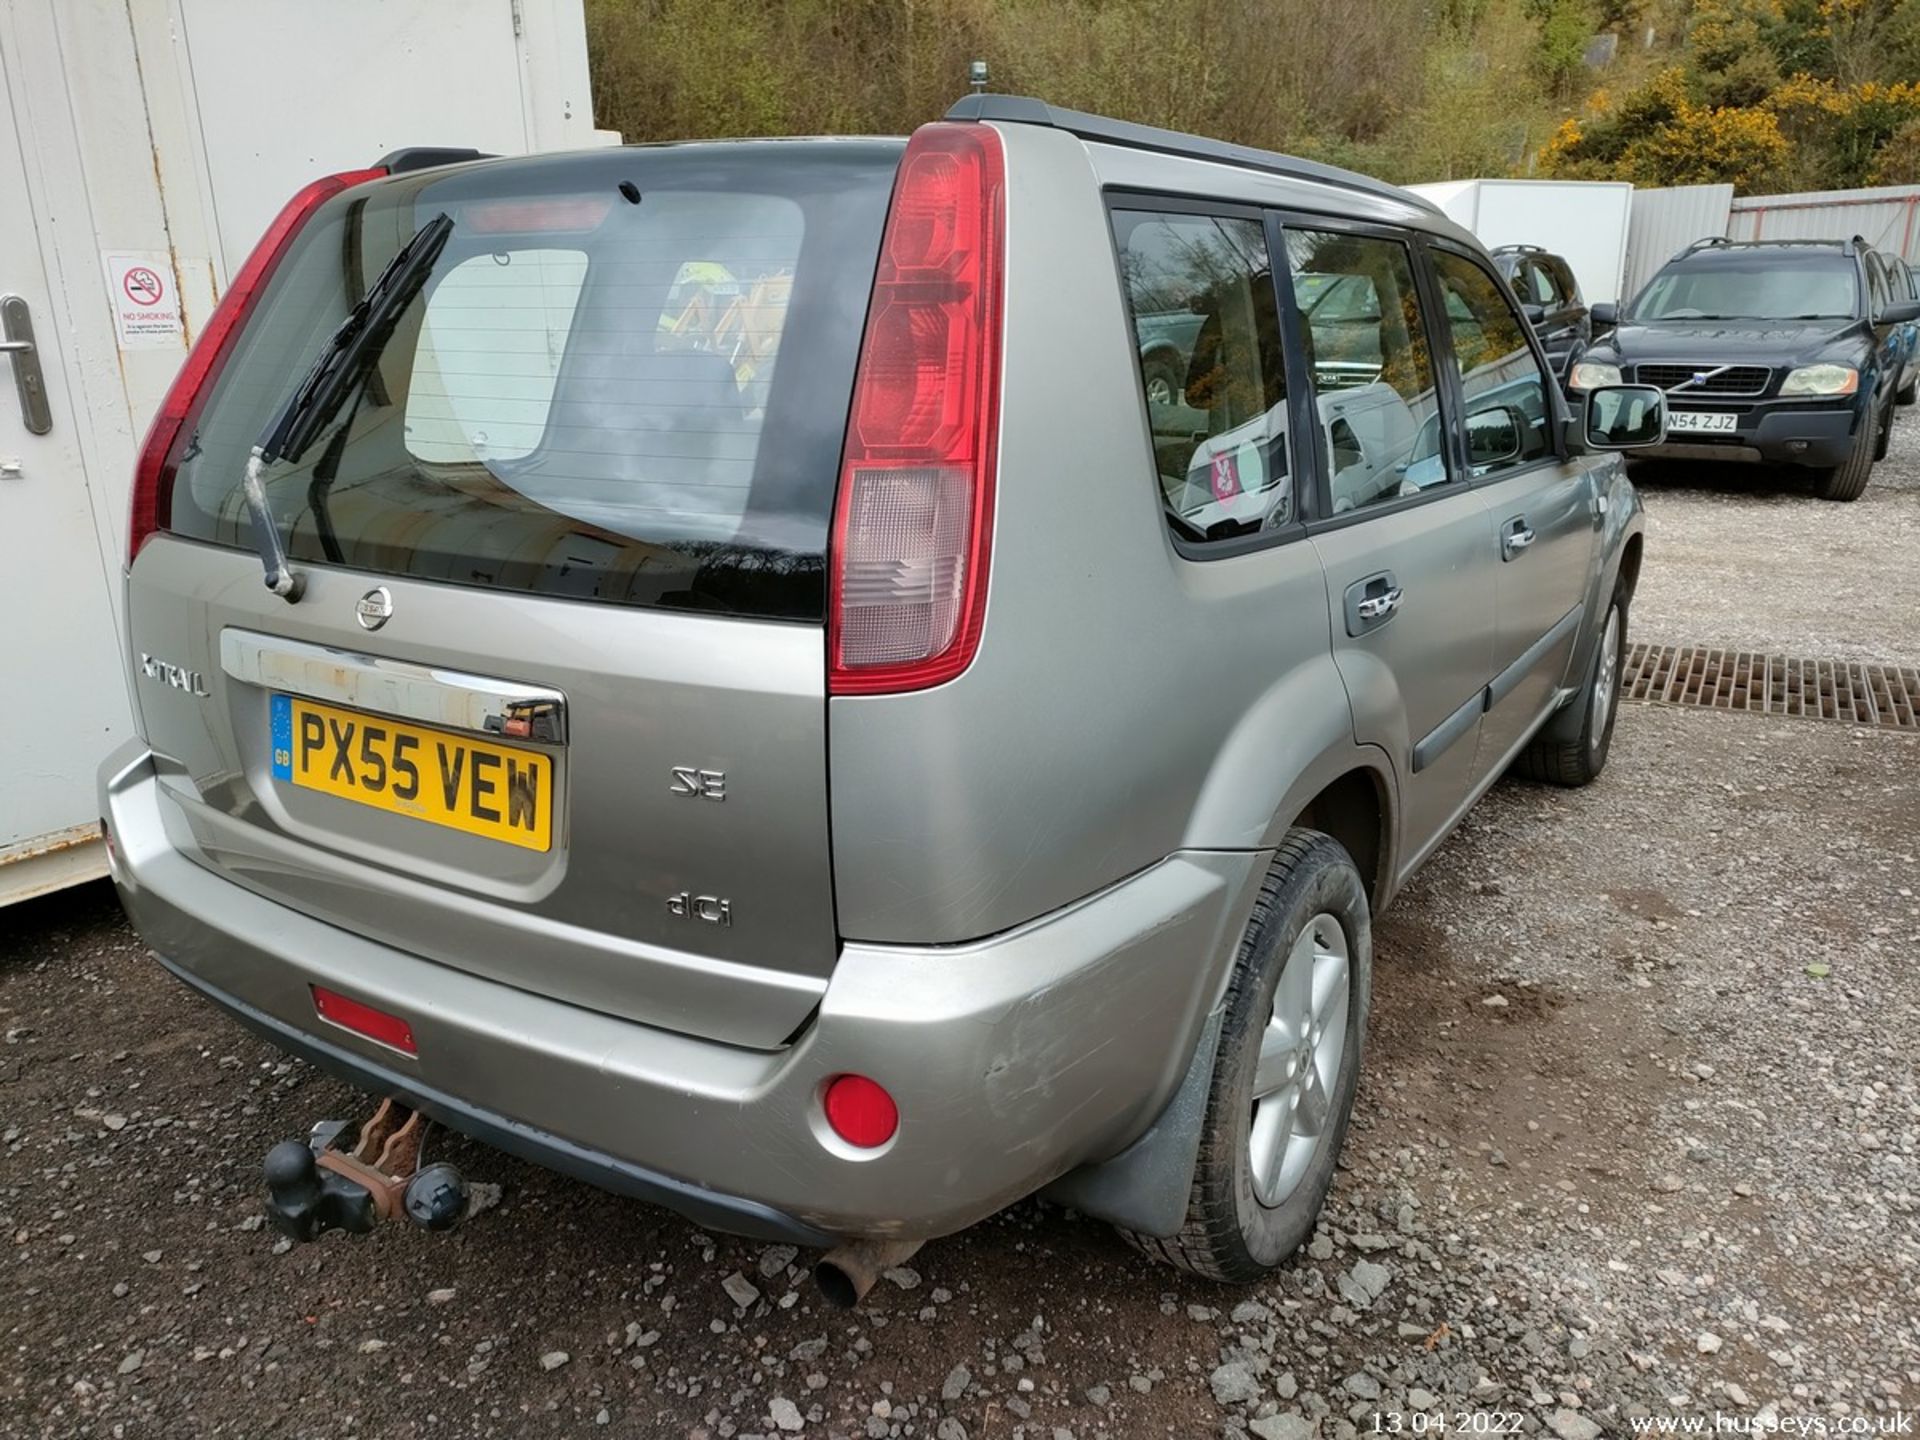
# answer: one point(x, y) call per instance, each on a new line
point(341, 369)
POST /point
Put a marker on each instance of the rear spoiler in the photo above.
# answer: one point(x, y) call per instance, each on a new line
point(426, 157)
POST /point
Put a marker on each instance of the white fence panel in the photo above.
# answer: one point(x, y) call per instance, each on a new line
point(1888, 217)
point(1665, 222)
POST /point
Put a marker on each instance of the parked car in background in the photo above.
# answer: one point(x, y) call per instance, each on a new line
point(1166, 348)
point(1771, 351)
point(1547, 288)
point(622, 761)
point(1896, 286)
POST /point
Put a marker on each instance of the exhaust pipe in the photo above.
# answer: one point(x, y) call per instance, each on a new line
point(846, 1275)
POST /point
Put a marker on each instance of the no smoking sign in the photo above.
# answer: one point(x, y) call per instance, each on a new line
point(142, 286)
point(146, 311)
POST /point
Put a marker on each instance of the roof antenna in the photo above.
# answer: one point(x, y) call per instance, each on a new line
point(977, 76)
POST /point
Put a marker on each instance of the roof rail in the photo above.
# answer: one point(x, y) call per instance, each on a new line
point(1023, 110)
point(1853, 246)
point(1518, 249)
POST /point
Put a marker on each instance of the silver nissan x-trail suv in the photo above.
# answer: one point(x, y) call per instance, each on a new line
point(836, 684)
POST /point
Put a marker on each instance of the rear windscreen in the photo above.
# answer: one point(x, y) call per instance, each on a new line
point(625, 378)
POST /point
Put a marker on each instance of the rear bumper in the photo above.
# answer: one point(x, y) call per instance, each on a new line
point(1771, 433)
point(1013, 1059)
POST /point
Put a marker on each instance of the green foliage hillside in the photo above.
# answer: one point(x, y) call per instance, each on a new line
point(1768, 94)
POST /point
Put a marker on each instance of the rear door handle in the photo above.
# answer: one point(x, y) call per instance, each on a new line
point(1374, 606)
point(1515, 536)
point(1371, 602)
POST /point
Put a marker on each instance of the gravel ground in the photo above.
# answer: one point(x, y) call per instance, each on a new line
point(1745, 557)
point(1640, 1135)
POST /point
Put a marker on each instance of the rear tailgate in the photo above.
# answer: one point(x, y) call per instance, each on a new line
point(551, 708)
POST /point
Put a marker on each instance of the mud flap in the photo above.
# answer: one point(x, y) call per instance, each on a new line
point(1145, 1187)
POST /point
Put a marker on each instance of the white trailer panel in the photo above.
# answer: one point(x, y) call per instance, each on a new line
point(143, 148)
point(1583, 220)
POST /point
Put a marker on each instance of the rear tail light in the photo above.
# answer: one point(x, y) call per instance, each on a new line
point(914, 514)
point(153, 475)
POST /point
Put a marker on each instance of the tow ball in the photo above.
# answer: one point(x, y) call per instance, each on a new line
point(321, 1184)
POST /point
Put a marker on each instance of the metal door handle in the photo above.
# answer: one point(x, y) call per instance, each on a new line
point(1517, 536)
point(1374, 606)
point(16, 326)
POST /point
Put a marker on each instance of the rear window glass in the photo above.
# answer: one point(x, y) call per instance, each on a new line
point(626, 378)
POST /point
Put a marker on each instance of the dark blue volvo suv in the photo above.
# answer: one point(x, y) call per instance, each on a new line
point(1780, 352)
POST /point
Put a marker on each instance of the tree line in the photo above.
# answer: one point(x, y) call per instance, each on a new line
point(1766, 94)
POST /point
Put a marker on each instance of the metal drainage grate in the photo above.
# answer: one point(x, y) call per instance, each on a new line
point(1848, 690)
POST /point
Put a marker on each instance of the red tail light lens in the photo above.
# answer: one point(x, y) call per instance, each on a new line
point(913, 518)
point(153, 475)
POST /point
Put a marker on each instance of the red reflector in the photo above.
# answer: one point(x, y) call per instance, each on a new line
point(153, 474)
point(364, 1020)
point(913, 518)
point(861, 1112)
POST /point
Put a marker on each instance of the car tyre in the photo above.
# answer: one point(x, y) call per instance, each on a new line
point(1848, 480)
point(1286, 1069)
point(1163, 381)
point(1909, 392)
point(1577, 762)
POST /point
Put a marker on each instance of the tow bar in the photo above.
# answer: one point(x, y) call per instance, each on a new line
point(319, 1184)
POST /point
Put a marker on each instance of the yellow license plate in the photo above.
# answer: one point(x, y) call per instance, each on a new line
point(498, 791)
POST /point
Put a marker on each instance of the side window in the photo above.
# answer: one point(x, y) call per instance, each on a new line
point(1366, 341)
point(1546, 285)
point(1877, 295)
point(1506, 411)
point(489, 355)
point(1206, 332)
point(1534, 285)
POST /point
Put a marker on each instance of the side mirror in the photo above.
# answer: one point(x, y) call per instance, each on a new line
point(1605, 313)
point(1899, 312)
point(1494, 435)
point(1536, 315)
point(1625, 417)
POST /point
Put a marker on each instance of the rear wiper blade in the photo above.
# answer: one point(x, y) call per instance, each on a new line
point(342, 367)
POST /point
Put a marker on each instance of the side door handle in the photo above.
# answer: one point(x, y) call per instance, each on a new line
point(16, 342)
point(1515, 536)
point(1372, 602)
point(1375, 606)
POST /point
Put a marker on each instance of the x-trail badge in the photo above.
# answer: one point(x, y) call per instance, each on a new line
point(374, 608)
